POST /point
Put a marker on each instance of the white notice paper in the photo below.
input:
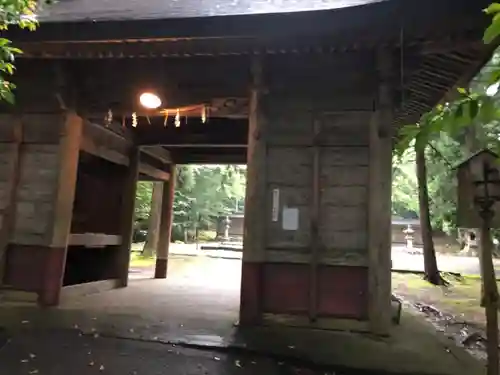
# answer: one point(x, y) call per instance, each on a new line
point(276, 205)
point(290, 218)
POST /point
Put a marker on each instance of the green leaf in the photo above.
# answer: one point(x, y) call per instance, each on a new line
point(462, 91)
point(8, 95)
point(492, 32)
point(494, 76)
point(493, 8)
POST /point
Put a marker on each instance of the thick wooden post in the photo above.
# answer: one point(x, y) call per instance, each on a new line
point(489, 292)
point(69, 149)
point(255, 205)
point(128, 207)
point(165, 235)
point(379, 222)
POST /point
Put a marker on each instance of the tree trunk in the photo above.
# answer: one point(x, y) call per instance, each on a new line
point(154, 221)
point(430, 263)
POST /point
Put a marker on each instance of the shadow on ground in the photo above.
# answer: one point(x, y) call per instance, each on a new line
point(186, 324)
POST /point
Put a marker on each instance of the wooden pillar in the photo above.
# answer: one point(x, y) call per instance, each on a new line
point(165, 235)
point(55, 260)
point(255, 205)
point(379, 224)
point(127, 215)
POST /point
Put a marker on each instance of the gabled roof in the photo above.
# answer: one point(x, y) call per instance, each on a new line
point(484, 151)
point(101, 10)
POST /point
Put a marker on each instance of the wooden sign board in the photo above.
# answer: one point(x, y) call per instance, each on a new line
point(467, 210)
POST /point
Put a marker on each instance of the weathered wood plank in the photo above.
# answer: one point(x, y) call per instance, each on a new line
point(342, 156)
point(36, 194)
point(38, 128)
point(353, 218)
point(350, 195)
point(345, 240)
point(303, 256)
point(289, 166)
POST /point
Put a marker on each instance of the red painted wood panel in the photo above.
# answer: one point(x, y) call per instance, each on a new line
point(285, 288)
point(343, 291)
point(36, 269)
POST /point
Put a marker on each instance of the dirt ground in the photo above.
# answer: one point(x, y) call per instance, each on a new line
point(461, 298)
point(454, 309)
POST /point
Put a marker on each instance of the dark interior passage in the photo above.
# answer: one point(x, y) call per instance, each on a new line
point(93, 250)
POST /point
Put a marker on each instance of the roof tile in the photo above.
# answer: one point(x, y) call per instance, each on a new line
point(101, 10)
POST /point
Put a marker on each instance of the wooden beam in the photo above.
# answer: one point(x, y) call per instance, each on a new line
point(205, 156)
point(158, 153)
point(153, 172)
point(127, 215)
point(102, 151)
point(167, 204)
point(108, 145)
point(69, 147)
point(216, 132)
point(379, 216)
point(94, 239)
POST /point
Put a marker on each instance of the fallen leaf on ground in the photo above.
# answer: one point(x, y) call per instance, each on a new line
point(32, 355)
point(24, 360)
point(25, 322)
point(34, 372)
point(91, 363)
point(101, 368)
point(216, 359)
point(237, 363)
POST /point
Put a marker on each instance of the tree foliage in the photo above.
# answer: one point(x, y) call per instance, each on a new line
point(445, 132)
point(202, 194)
point(205, 192)
point(19, 13)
